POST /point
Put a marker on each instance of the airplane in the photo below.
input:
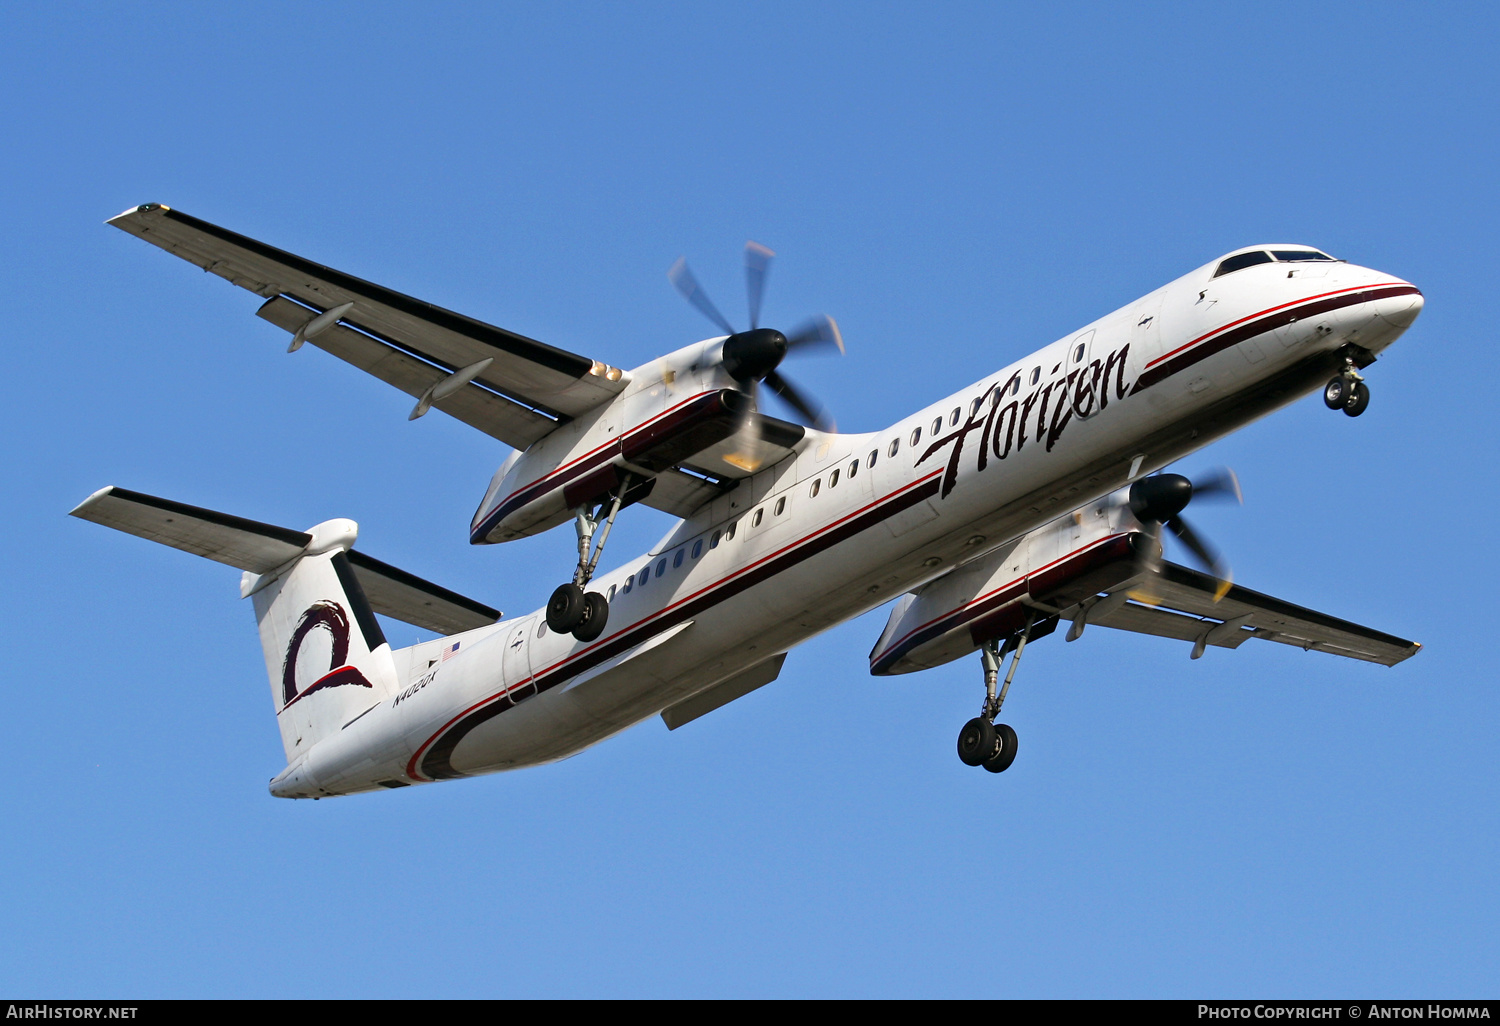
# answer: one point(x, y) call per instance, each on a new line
point(1035, 497)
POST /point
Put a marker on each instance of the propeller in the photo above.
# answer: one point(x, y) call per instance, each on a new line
point(754, 356)
point(1158, 502)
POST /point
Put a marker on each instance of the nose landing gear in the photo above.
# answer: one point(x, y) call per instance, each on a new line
point(1347, 391)
point(983, 742)
point(571, 610)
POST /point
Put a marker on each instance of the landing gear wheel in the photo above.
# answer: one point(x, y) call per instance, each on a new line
point(1359, 398)
point(595, 616)
point(1336, 393)
point(565, 609)
point(976, 742)
point(1005, 749)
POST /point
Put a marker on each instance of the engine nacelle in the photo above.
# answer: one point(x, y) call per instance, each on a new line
point(1056, 566)
point(534, 492)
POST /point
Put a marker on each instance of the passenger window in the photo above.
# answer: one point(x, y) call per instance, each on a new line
point(953, 417)
point(780, 505)
point(629, 583)
point(611, 593)
point(1015, 384)
point(894, 447)
point(833, 479)
point(645, 575)
point(916, 436)
point(854, 467)
point(937, 425)
point(974, 407)
point(677, 559)
point(1244, 260)
point(755, 520)
point(729, 531)
point(1078, 352)
point(816, 486)
point(873, 456)
point(1036, 375)
point(713, 542)
point(661, 567)
point(697, 548)
point(541, 628)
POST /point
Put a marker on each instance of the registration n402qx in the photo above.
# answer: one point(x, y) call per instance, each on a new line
point(1031, 500)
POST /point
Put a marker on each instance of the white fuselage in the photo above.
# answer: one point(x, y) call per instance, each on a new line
point(792, 551)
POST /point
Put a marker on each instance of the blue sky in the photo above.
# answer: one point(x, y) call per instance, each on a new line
point(958, 184)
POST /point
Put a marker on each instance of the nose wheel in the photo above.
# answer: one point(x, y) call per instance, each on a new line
point(983, 742)
point(1347, 392)
point(571, 609)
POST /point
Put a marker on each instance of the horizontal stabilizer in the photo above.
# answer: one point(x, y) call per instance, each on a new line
point(246, 544)
point(262, 548)
point(395, 593)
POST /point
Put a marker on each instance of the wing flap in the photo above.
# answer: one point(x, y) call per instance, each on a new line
point(540, 374)
point(497, 415)
point(682, 493)
point(1184, 608)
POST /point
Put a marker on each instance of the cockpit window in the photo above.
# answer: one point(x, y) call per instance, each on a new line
point(1242, 261)
point(1291, 255)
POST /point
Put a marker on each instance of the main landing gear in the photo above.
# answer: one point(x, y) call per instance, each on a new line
point(983, 742)
point(1347, 391)
point(571, 610)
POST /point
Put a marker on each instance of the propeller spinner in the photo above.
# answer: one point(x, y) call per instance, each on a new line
point(754, 356)
point(1158, 502)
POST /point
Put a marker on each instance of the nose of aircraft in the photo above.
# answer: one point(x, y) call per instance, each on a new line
point(1400, 311)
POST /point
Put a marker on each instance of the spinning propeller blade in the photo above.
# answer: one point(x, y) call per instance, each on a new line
point(753, 356)
point(1219, 482)
point(682, 279)
point(822, 332)
point(757, 265)
point(1159, 500)
point(812, 414)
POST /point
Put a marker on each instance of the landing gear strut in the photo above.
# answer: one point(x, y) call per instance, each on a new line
point(982, 742)
point(571, 610)
point(1347, 391)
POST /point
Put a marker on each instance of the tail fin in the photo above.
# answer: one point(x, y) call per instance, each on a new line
point(326, 656)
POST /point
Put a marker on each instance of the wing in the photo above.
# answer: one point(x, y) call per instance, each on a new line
point(525, 390)
point(1187, 611)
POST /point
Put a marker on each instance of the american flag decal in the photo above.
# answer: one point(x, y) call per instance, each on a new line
point(450, 651)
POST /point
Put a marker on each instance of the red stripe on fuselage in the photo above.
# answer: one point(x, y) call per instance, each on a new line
point(1270, 310)
point(640, 626)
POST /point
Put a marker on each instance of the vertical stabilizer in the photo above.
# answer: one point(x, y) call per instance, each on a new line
point(326, 656)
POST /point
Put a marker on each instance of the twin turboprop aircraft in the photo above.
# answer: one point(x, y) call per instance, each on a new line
point(1030, 499)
